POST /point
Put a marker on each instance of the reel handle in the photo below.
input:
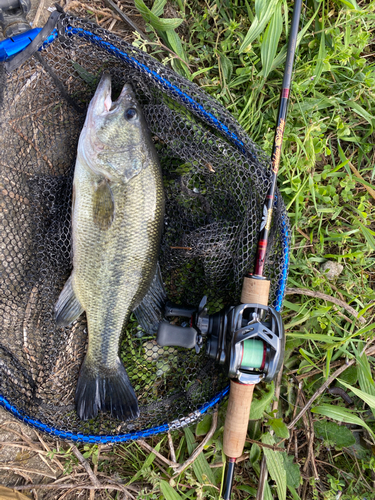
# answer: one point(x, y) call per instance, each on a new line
point(254, 290)
point(177, 336)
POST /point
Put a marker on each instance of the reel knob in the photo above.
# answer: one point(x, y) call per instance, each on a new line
point(176, 336)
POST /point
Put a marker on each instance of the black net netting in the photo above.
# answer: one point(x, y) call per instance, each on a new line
point(215, 181)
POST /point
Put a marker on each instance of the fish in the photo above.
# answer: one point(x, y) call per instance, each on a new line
point(117, 219)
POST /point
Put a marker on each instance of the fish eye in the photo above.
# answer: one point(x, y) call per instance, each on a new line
point(130, 113)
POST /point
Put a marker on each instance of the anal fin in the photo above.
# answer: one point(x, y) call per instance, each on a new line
point(68, 307)
point(149, 312)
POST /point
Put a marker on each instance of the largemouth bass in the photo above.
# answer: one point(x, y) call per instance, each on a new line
point(117, 218)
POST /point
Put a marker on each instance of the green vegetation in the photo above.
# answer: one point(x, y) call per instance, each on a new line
point(235, 50)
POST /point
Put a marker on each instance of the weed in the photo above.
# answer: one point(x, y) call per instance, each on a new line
point(236, 51)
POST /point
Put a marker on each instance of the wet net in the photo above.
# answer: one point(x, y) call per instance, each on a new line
point(215, 181)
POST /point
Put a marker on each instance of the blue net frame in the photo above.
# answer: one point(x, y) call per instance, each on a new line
point(8, 49)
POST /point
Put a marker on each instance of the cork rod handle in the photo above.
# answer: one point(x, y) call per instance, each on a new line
point(237, 418)
point(254, 291)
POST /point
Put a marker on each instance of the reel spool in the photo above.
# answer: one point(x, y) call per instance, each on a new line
point(247, 339)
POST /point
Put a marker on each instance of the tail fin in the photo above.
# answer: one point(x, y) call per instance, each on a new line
point(107, 390)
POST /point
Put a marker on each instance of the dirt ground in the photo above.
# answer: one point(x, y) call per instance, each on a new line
point(40, 7)
point(21, 454)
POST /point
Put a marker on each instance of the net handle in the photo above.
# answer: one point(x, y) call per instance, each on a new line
point(35, 44)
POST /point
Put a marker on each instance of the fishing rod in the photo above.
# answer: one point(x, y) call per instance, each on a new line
point(247, 339)
point(256, 287)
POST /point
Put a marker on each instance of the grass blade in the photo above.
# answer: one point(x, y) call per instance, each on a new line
point(275, 465)
point(267, 493)
point(367, 398)
point(321, 56)
point(261, 401)
point(294, 493)
point(226, 69)
point(361, 112)
point(175, 44)
point(341, 414)
point(315, 336)
point(352, 4)
point(200, 465)
point(147, 464)
point(158, 7)
point(169, 492)
point(281, 56)
point(366, 382)
point(155, 21)
point(367, 233)
point(264, 12)
point(270, 41)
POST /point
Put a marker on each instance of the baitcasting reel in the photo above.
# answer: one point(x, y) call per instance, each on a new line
point(248, 339)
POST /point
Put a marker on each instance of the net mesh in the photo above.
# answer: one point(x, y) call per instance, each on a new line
point(215, 181)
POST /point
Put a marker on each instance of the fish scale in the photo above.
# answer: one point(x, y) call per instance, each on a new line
point(124, 266)
point(117, 219)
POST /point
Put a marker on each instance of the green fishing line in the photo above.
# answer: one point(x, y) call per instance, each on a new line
point(252, 354)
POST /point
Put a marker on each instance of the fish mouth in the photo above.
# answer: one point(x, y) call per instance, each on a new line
point(102, 102)
point(127, 93)
point(126, 97)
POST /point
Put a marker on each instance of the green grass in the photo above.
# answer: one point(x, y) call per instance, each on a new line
point(235, 50)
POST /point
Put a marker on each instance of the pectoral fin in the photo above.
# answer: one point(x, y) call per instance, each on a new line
point(103, 204)
point(68, 307)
